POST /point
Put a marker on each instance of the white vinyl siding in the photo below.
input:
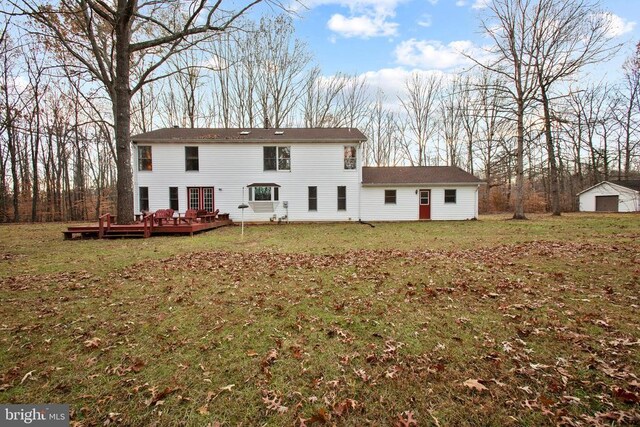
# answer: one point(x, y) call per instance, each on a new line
point(406, 208)
point(228, 167)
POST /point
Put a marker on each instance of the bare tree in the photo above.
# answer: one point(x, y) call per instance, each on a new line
point(567, 36)
point(384, 134)
point(281, 59)
point(420, 105)
point(451, 121)
point(105, 40)
point(628, 115)
point(10, 117)
point(511, 26)
point(320, 98)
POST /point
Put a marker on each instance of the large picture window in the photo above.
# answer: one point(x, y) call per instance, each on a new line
point(144, 158)
point(313, 198)
point(277, 158)
point(342, 198)
point(143, 194)
point(349, 157)
point(191, 158)
point(449, 196)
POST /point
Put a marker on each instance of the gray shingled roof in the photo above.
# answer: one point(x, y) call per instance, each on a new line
point(213, 135)
point(419, 175)
point(633, 184)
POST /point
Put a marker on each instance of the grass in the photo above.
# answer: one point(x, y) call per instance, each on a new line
point(490, 322)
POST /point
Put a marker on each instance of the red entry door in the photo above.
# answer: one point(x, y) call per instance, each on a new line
point(425, 204)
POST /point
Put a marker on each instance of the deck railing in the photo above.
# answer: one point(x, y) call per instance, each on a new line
point(147, 222)
point(104, 225)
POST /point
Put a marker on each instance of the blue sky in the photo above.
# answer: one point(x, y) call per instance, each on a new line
point(387, 39)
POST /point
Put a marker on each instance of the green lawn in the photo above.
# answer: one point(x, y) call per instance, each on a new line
point(490, 322)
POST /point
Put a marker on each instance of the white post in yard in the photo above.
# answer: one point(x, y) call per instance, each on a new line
point(242, 207)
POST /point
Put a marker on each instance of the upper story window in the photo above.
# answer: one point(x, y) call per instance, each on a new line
point(191, 159)
point(144, 158)
point(277, 158)
point(349, 157)
point(449, 196)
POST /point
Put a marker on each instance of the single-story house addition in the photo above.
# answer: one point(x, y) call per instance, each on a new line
point(291, 174)
point(611, 196)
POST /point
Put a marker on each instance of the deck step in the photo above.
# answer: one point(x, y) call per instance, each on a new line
point(124, 235)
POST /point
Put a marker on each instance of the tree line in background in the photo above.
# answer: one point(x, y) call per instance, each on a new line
point(521, 119)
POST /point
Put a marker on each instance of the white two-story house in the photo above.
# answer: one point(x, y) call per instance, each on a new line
point(294, 174)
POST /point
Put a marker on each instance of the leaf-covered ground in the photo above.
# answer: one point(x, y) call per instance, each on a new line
point(491, 322)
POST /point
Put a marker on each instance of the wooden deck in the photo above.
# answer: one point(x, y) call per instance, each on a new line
point(143, 229)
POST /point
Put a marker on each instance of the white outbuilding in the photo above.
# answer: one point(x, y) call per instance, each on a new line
point(611, 196)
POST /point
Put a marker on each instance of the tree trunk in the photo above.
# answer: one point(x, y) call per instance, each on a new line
point(551, 152)
point(519, 190)
point(121, 99)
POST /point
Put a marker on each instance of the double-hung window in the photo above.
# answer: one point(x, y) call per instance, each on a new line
point(277, 158)
point(450, 196)
point(342, 198)
point(143, 198)
point(313, 198)
point(144, 158)
point(173, 198)
point(389, 197)
point(191, 160)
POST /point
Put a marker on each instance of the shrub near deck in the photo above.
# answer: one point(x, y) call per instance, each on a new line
point(489, 322)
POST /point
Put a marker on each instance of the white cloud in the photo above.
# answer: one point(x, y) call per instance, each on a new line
point(433, 54)
point(461, 3)
point(384, 7)
point(366, 18)
point(433, 2)
point(480, 4)
point(361, 26)
point(618, 26)
point(425, 20)
point(392, 82)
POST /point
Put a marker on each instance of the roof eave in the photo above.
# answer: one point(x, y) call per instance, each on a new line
point(610, 183)
point(418, 184)
point(246, 141)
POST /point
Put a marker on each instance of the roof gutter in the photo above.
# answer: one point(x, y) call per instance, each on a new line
point(417, 184)
point(245, 141)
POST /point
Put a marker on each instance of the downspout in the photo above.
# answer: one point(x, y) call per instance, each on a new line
point(136, 194)
point(360, 162)
point(476, 197)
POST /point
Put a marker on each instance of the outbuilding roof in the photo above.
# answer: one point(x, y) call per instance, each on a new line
point(418, 175)
point(632, 184)
point(221, 135)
